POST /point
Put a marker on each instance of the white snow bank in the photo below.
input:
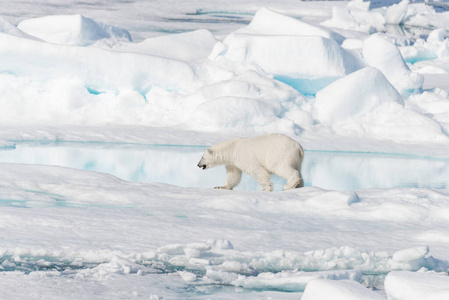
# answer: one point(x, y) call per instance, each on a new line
point(247, 101)
point(321, 289)
point(364, 103)
point(382, 54)
point(302, 55)
point(37, 76)
point(354, 95)
point(411, 254)
point(308, 63)
point(98, 69)
point(268, 22)
point(308, 56)
point(252, 82)
point(187, 46)
point(157, 233)
point(72, 30)
point(417, 286)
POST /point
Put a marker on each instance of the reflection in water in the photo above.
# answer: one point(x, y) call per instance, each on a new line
point(177, 165)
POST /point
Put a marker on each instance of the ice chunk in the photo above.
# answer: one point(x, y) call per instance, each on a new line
point(411, 254)
point(292, 281)
point(395, 14)
point(354, 95)
point(338, 290)
point(413, 54)
point(342, 18)
point(72, 30)
point(220, 244)
point(248, 100)
point(366, 104)
point(187, 276)
point(221, 277)
point(187, 46)
point(436, 47)
point(415, 286)
point(98, 69)
point(382, 54)
point(437, 36)
point(307, 63)
point(268, 22)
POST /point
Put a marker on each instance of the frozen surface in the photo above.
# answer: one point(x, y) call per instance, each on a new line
point(177, 165)
point(62, 224)
point(420, 285)
point(341, 289)
point(364, 88)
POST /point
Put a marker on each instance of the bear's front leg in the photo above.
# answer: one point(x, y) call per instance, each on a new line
point(262, 177)
point(233, 177)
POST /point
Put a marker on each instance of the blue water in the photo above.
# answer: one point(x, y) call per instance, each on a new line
point(177, 165)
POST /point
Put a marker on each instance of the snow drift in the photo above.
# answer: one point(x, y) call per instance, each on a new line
point(72, 30)
point(251, 81)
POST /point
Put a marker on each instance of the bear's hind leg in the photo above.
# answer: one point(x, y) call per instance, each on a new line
point(293, 177)
point(233, 177)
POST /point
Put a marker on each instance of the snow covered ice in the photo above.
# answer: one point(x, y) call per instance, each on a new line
point(106, 107)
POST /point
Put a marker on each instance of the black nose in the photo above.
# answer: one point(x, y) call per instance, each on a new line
point(202, 166)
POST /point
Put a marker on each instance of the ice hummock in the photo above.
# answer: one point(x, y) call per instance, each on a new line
point(253, 80)
point(72, 30)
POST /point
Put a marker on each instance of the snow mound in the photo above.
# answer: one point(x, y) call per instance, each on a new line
point(338, 290)
point(308, 63)
point(92, 66)
point(384, 55)
point(411, 254)
point(356, 94)
point(344, 18)
point(333, 200)
point(364, 103)
point(268, 22)
point(72, 30)
point(248, 100)
point(417, 285)
point(187, 46)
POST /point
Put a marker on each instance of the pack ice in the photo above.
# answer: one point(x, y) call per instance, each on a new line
point(253, 80)
point(332, 75)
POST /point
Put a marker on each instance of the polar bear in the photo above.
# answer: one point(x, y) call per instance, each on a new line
point(259, 157)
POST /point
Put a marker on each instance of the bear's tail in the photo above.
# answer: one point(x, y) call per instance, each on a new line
point(301, 152)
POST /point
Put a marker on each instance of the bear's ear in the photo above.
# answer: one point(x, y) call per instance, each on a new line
point(210, 151)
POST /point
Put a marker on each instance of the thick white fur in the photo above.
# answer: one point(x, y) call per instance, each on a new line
point(259, 157)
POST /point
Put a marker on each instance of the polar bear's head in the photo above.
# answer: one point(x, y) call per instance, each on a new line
point(208, 160)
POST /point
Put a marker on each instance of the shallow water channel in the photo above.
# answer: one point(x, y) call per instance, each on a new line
point(177, 165)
